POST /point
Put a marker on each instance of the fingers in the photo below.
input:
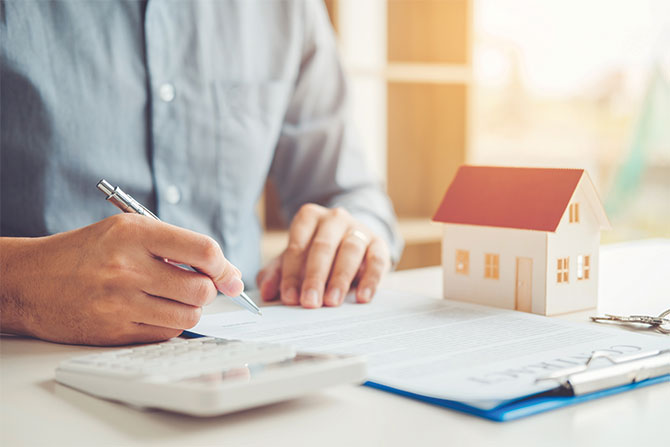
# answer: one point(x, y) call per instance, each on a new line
point(327, 251)
point(160, 312)
point(175, 283)
point(377, 262)
point(143, 333)
point(321, 255)
point(347, 263)
point(300, 235)
point(183, 246)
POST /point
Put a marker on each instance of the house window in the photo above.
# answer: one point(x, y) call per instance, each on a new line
point(574, 212)
point(562, 269)
point(583, 267)
point(491, 263)
point(587, 266)
point(463, 262)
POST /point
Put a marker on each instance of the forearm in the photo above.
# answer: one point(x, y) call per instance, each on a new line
point(15, 262)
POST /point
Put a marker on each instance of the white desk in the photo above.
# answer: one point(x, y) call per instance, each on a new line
point(34, 410)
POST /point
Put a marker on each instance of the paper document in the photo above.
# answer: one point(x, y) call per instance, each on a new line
point(444, 349)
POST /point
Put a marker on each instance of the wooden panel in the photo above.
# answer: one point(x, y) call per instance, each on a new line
point(429, 31)
point(331, 6)
point(271, 214)
point(434, 73)
point(426, 144)
point(420, 255)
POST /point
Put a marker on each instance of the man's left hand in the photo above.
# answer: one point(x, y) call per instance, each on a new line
point(328, 253)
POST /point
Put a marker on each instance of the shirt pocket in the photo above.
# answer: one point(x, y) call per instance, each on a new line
point(252, 113)
point(250, 118)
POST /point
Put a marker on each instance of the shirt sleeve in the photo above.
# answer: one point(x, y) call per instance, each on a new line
point(319, 158)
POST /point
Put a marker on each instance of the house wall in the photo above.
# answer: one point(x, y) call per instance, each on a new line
point(569, 241)
point(508, 244)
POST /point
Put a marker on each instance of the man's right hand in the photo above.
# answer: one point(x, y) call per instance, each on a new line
point(109, 284)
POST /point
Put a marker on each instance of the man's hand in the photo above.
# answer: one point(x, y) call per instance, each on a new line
point(327, 253)
point(109, 284)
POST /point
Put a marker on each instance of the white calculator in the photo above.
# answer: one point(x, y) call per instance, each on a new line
point(207, 376)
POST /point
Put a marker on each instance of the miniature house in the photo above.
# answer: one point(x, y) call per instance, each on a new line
point(522, 238)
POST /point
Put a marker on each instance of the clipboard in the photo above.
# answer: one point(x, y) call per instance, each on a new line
point(576, 385)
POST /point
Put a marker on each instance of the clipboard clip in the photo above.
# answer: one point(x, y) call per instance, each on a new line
point(622, 370)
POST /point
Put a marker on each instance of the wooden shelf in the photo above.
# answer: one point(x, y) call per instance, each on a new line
point(423, 73)
point(423, 239)
point(420, 230)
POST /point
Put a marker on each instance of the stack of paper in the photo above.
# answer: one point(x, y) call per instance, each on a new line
point(464, 356)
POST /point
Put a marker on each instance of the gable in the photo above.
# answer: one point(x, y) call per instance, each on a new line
point(589, 211)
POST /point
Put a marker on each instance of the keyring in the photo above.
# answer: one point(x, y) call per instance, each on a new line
point(664, 328)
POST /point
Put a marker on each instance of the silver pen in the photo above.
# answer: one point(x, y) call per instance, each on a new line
point(127, 204)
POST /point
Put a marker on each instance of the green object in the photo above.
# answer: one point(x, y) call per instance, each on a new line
point(652, 129)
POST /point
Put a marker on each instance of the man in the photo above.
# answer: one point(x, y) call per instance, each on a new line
point(189, 106)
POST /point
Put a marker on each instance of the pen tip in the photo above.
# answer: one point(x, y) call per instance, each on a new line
point(260, 313)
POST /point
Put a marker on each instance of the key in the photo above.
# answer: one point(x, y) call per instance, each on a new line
point(660, 323)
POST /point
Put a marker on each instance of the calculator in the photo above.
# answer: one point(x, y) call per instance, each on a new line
point(207, 376)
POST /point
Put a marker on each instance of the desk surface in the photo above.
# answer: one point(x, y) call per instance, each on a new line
point(35, 410)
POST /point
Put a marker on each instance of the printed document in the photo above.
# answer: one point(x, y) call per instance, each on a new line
point(473, 354)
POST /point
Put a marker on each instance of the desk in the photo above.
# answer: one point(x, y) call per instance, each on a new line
point(35, 410)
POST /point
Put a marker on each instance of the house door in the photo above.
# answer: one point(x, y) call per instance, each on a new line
point(523, 294)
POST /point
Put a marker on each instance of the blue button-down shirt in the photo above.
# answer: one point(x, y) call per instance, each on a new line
point(187, 105)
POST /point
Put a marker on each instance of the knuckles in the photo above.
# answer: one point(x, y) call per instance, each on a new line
point(295, 248)
point(204, 292)
point(339, 213)
point(211, 251)
point(191, 317)
point(353, 244)
point(309, 210)
point(377, 259)
point(117, 263)
point(323, 245)
point(123, 226)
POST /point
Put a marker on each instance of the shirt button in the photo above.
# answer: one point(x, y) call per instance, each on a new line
point(172, 195)
point(166, 92)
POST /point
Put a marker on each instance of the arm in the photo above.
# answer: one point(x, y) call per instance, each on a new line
point(320, 161)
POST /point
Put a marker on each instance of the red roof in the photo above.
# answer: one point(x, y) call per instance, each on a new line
point(525, 198)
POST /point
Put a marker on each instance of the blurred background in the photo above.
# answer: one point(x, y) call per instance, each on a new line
point(556, 83)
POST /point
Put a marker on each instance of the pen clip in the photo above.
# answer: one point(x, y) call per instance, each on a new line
point(124, 201)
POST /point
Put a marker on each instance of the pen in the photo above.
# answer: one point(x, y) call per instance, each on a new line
point(127, 204)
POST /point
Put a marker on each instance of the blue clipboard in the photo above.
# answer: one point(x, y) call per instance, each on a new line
point(523, 406)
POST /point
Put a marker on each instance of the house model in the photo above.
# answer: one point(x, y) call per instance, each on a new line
point(522, 238)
